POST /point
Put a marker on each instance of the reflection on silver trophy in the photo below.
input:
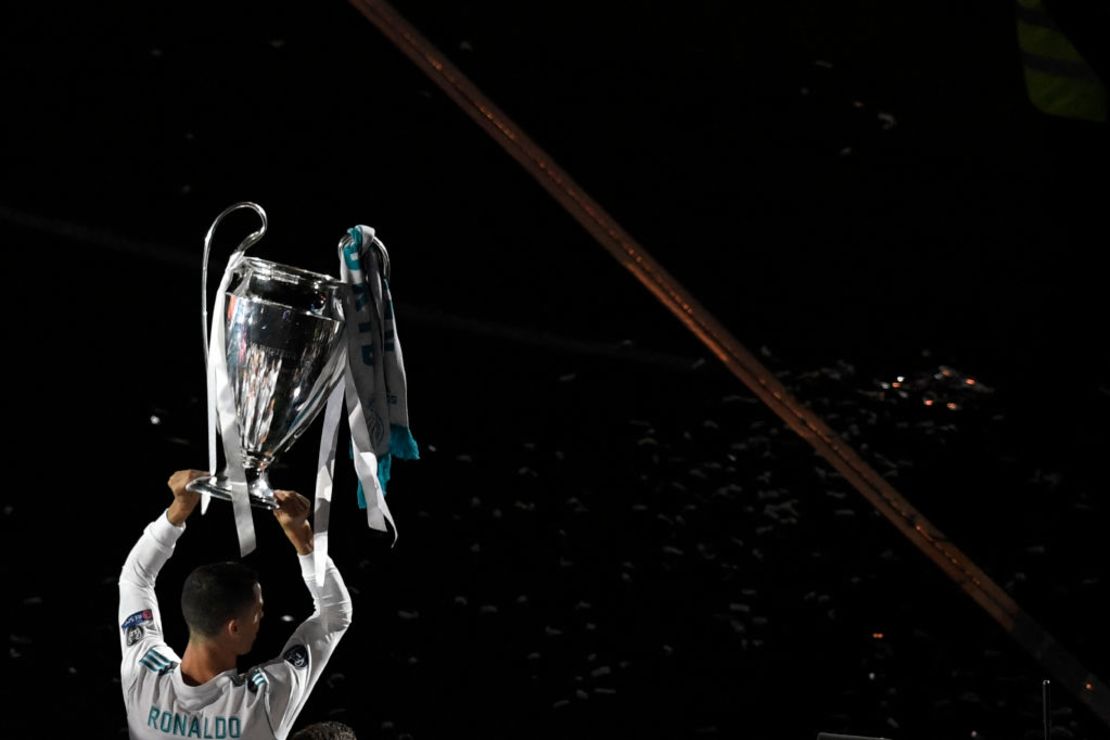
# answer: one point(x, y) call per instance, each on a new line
point(284, 354)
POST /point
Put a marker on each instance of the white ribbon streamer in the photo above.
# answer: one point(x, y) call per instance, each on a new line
point(221, 398)
point(221, 406)
point(325, 476)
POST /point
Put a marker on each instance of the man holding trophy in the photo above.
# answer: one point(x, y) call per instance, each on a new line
point(201, 693)
point(284, 345)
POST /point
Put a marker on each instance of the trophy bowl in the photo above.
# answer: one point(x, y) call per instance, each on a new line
point(285, 353)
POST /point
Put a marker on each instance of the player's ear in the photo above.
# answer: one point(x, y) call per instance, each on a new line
point(232, 627)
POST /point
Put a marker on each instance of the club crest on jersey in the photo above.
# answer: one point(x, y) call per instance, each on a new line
point(134, 634)
point(146, 615)
point(297, 656)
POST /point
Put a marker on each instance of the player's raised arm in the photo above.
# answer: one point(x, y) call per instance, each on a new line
point(295, 672)
point(139, 619)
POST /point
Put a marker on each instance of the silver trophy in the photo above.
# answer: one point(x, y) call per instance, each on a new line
point(285, 353)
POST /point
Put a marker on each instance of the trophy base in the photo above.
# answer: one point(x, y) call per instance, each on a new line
point(261, 497)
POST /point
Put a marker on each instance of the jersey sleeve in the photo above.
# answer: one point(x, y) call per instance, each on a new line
point(139, 619)
point(292, 675)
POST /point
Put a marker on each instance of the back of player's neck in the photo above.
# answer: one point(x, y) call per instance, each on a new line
point(203, 662)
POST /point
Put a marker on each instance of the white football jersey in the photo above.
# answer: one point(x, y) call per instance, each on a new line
point(261, 703)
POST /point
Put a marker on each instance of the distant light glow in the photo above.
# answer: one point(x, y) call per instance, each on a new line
point(877, 635)
point(155, 420)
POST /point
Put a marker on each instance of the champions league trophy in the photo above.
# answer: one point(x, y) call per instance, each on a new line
point(275, 352)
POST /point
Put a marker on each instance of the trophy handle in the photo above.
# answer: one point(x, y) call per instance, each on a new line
point(246, 244)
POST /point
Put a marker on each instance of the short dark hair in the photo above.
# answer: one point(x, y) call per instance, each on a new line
point(215, 593)
point(324, 731)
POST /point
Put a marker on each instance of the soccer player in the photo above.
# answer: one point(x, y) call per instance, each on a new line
point(201, 693)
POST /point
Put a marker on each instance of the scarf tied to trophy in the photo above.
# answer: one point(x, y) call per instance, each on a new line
point(373, 386)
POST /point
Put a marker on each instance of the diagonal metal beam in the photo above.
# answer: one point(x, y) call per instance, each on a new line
point(1050, 654)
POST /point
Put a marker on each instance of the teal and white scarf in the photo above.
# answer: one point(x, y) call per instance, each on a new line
point(373, 386)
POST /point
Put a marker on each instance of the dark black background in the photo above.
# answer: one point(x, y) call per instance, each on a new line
point(857, 190)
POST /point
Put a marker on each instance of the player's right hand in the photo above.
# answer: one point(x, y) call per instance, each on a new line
point(178, 482)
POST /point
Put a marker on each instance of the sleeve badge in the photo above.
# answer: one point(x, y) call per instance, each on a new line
point(146, 615)
point(297, 656)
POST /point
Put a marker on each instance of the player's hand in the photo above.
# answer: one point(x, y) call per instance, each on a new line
point(292, 514)
point(293, 509)
point(184, 501)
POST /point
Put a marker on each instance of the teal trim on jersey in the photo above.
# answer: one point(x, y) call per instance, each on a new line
point(155, 661)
